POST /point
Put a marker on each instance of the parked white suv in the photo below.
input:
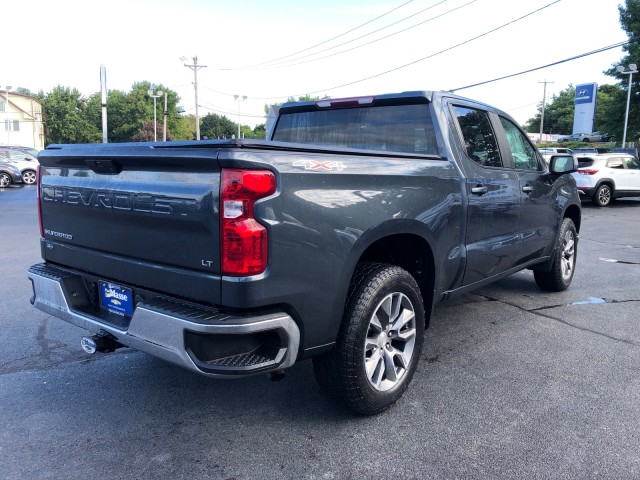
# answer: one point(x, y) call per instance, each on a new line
point(605, 176)
point(548, 152)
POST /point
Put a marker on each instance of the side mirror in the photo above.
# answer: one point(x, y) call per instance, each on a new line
point(563, 164)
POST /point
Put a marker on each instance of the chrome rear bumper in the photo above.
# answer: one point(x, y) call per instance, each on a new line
point(200, 339)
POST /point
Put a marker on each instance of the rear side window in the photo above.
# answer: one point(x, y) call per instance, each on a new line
point(389, 128)
point(479, 139)
point(585, 162)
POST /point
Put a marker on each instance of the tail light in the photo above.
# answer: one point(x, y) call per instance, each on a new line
point(39, 186)
point(244, 245)
point(588, 171)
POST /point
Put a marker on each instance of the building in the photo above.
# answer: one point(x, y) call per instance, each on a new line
point(21, 120)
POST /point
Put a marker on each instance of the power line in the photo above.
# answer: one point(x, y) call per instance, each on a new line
point(215, 108)
point(437, 53)
point(592, 52)
point(283, 64)
point(324, 90)
point(324, 42)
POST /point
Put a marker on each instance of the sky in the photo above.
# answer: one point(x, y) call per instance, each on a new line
point(270, 50)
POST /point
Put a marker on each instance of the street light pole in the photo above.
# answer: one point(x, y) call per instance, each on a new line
point(195, 67)
point(155, 96)
point(239, 98)
point(633, 68)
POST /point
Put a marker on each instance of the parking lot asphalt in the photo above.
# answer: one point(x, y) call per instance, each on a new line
point(512, 383)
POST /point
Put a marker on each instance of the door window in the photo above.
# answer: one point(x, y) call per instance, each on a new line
point(479, 138)
point(633, 164)
point(523, 153)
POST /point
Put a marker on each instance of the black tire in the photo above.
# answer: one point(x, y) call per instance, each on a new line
point(375, 356)
point(564, 261)
point(5, 179)
point(603, 195)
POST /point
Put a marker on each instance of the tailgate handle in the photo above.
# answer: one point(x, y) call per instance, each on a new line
point(105, 167)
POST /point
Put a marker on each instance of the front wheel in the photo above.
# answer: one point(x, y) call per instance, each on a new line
point(379, 343)
point(564, 260)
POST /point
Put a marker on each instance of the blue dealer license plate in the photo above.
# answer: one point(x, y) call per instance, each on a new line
point(116, 299)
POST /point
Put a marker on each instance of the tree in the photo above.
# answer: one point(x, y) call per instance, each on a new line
point(214, 126)
point(24, 91)
point(303, 98)
point(184, 128)
point(610, 110)
point(630, 22)
point(65, 117)
point(558, 114)
point(260, 131)
point(128, 113)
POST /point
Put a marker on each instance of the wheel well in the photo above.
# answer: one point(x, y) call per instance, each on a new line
point(573, 212)
point(607, 182)
point(412, 253)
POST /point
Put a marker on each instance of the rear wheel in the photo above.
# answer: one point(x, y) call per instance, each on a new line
point(5, 180)
point(379, 343)
point(603, 195)
point(564, 261)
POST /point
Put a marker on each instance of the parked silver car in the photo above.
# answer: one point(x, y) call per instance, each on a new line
point(605, 176)
point(596, 137)
point(9, 173)
point(26, 163)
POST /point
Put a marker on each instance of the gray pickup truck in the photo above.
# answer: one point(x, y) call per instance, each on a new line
point(333, 240)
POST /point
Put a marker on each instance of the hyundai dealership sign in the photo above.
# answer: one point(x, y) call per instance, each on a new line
point(585, 107)
point(584, 93)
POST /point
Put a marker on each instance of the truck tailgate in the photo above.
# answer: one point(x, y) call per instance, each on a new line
point(140, 203)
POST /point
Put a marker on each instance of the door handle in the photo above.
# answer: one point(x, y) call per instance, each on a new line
point(479, 190)
point(527, 189)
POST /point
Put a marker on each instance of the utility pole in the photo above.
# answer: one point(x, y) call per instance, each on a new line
point(195, 67)
point(544, 99)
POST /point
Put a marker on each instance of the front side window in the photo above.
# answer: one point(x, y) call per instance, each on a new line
point(524, 155)
point(479, 140)
point(633, 163)
point(389, 128)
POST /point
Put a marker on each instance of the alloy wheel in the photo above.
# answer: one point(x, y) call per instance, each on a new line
point(390, 341)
